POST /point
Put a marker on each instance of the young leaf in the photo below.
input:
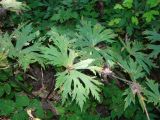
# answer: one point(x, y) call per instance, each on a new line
point(134, 20)
point(150, 15)
point(128, 3)
point(114, 21)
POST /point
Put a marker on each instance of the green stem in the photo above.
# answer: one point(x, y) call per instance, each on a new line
point(144, 106)
point(124, 80)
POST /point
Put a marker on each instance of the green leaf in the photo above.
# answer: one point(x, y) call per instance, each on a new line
point(128, 3)
point(135, 49)
point(133, 68)
point(156, 50)
point(7, 89)
point(153, 3)
point(5, 74)
point(82, 86)
point(21, 101)
point(153, 37)
point(91, 35)
point(118, 6)
point(72, 82)
point(83, 64)
point(36, 105)
point(1, 91)
point(24, 50)
point(58, 55)
point(23, 36)
point(20, 115)
point(134, 20)
point(114, 21)
point(64, 15)
point(6, 107)
point(150, 15)
point(130, 97)
point(115, 100)
point(153, 93)
point(5, 43)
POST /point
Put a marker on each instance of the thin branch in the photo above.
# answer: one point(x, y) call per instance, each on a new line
point(143, 103)
point(122, 79)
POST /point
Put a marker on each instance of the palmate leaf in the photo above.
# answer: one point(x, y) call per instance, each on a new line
point(89, 36)
point(83, 64)
point(156, 50)
point(78, 86)
point(94, 34)
point(94, 53)
point(130, 97)
point(30, 55)
point(153, 37)
point(57, 55)
point(25, 50)
point(132, 68)
point(153, 93)
point(23, 35)
point(5, 43)
point(54, 57)
point(64, 15)
point(72, 82)
point(135, 49)
point(129, 64)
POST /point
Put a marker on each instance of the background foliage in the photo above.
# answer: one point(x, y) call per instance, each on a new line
point(79, 59)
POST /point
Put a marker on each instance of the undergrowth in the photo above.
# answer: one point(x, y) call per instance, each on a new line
point(85, 59)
